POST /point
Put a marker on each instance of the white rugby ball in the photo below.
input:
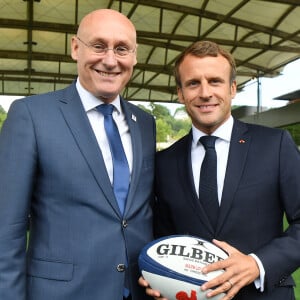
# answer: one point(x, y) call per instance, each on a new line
point(172, 265)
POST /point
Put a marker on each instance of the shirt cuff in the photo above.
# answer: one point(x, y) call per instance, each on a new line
point(260, 281)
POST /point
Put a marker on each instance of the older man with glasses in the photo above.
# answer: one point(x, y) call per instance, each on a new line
point(80, 162)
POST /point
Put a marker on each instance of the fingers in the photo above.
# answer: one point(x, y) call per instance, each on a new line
point(226, 247)
point(143, 282)
point(227, 288)
point(239, 270)
point(150, 292)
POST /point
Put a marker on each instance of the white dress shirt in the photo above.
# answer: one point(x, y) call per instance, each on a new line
point(222, 148)
point(90, 102)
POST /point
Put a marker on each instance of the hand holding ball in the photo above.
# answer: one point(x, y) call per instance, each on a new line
point(172, 265)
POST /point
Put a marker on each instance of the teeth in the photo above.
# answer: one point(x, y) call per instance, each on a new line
point(207, 106)
point(106, 74)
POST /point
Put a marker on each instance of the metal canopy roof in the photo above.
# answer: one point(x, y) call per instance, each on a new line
point(35, 36)
point(295, 95)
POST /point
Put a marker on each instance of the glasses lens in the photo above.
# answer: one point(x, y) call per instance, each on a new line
point(121, 51)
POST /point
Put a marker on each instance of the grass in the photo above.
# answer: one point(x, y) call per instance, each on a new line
point(296, 276)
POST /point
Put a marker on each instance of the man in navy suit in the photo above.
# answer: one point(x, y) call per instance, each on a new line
point(56, 166)
point(258, 176)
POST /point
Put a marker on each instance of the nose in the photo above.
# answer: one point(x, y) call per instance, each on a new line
point(205, 91)
point(109, 58)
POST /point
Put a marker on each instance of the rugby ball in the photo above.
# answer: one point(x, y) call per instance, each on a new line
point(172, 265)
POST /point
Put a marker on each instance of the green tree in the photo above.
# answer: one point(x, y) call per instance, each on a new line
point(168, 127)
point(160, 111)
point(145, 108)
point(181, 127)
point(163, 131)
point(2, 116)
point(294, 131)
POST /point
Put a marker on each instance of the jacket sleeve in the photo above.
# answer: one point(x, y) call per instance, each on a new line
point(281, 256)
point(17, 165)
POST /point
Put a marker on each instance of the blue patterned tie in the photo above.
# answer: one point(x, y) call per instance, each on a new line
point(208, 189)
point(121, 173)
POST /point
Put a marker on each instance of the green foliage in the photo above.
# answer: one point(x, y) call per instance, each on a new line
point(168, 127)
point(160, 111)
point(295, 133)
point(144, 108)
point(163, 130)
point(296, 274)
point(181, 127)
point(2, 116)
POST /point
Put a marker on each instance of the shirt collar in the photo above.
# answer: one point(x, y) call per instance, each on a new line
point(90, 102)
point(223, 132)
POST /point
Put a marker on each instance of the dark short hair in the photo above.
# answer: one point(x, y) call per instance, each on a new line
point(202, 49)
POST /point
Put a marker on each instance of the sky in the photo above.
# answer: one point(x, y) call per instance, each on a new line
point(288, 82)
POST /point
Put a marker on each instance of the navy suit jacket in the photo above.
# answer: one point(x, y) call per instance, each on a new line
point(262, 182)
point(52, 168)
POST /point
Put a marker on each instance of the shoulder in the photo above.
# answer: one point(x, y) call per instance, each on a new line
point(45, 99)
point(258, 130)
point(266, 137)
point(180, 147)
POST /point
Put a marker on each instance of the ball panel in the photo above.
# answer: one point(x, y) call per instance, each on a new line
point(147, 264)
point(181, 256)
point(174, 289)
point(173, 264)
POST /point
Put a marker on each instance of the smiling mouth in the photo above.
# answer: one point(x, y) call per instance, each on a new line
point(107, 74)
point(207, 106)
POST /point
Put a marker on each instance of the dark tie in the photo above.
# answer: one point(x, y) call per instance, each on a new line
point(121, 173)
point(208, 189)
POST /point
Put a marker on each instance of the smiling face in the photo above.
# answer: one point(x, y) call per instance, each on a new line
point(206, 90)
point(104, 75)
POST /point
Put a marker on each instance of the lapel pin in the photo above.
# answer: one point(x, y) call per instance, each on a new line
point(133, 117)
point(242, 141)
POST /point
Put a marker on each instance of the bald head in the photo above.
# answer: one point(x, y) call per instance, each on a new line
point(108, 18)
point(104, 74)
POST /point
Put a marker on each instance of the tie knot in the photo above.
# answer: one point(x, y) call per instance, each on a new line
point(105, 109)
point(208, 141)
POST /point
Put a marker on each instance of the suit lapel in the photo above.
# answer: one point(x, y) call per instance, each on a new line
point(239, 146)
point(136, 141)
point(78, 123)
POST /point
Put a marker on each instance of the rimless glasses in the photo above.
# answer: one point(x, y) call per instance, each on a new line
point(101, 49)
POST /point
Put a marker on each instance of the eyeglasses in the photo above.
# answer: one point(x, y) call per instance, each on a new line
point(99, 48)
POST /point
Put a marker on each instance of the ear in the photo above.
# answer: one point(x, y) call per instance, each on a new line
point(180, 95)
point(233, 89)
point(134, 60)
point(74, 48)
point(135, 55)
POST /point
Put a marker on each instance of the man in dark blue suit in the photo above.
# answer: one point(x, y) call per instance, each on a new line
point(258, 181)
point(56, 166)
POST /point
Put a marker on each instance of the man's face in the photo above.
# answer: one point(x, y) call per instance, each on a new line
point(104, 75)
point(206, 90)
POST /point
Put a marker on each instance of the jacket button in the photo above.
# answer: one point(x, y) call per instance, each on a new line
point(120, 267)
point(124, 223)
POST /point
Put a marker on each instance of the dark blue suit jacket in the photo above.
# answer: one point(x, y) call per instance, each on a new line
point(52, 168)
point(262, 183)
